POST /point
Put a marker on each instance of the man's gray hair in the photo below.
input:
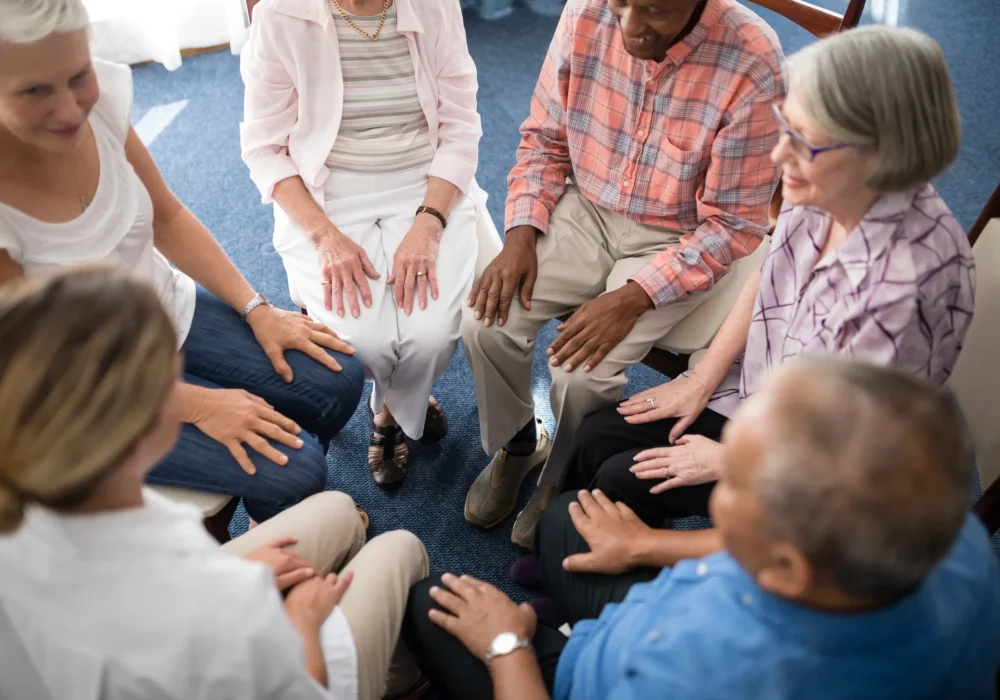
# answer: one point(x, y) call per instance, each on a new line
point(25, 21)
point(886, 88)
point(869, 480)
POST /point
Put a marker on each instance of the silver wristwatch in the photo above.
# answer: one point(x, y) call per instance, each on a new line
point(503, 644)
point(257, 300)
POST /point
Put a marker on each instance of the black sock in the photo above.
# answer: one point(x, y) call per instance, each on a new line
point(525, 442)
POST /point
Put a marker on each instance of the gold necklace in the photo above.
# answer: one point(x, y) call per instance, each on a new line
point(359, 30)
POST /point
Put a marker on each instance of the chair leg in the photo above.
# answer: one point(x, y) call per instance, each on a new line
point(218, 524)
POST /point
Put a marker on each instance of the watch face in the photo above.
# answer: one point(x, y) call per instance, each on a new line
point(504, 643)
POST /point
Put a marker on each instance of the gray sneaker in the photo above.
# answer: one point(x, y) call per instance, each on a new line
point(493, 495)
point(523, 534)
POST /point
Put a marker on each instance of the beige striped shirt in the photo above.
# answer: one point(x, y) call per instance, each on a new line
point(383, 128)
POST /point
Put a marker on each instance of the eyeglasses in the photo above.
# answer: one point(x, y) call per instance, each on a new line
point(801, 145)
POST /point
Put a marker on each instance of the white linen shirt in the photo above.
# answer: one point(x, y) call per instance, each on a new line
point(143, 604)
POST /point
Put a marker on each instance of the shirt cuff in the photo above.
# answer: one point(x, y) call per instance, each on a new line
point(527, 211)
point(662, 289)
point(268, 171)
point(455, 170)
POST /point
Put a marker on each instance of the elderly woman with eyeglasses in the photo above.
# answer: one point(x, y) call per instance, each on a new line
point(866, 260)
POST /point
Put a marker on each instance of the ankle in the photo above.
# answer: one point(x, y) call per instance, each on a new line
point(384, 419)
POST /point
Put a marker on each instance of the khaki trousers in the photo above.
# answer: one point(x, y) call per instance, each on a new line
point(587, 252)
point(332, 538)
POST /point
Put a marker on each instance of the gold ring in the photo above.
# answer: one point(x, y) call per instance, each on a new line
point(326, 282)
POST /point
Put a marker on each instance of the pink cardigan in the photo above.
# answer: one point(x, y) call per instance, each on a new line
point(294, 90)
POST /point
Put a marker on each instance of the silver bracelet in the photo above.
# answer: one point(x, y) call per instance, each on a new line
point(258, 300)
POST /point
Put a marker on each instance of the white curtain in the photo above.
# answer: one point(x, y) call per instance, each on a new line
point(133, 31)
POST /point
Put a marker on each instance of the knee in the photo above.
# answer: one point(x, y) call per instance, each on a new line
point(437, 338)
point(476, 334)
point(334, 394)
point(406, 549)
point(575, 381)
point(336, 512)
point(303, 475)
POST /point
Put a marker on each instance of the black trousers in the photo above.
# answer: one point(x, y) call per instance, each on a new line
point(452, 670)
point(605, 449)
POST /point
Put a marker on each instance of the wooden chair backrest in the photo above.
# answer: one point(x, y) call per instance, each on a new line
point(819, 22)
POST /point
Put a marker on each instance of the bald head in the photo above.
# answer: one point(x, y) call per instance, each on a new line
point(862, 470)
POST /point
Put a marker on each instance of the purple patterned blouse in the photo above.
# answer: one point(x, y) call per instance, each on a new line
point(899, 291)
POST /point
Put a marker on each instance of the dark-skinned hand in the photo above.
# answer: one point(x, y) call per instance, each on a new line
point(612, 531)
point(597, 327)
point(516, 265)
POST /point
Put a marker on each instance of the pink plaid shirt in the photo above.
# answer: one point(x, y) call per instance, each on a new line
point(682, 144)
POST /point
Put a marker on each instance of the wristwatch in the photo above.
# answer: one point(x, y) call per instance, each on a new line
point(503, 644)
point(258, 300)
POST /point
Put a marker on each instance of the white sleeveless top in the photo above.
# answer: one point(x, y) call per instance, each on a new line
point(118, 224)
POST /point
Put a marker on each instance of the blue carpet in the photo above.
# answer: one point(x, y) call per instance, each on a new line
point(199, 156)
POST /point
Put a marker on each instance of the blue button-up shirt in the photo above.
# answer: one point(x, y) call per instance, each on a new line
point(704, 629)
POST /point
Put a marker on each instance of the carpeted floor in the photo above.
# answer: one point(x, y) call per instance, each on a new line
point(198, 152)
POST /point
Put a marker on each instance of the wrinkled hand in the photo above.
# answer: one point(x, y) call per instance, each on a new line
point(692, 460)
point(346, 269)
point(311, 602)
point(417, 253)
point(477, 612)
point(289, 568)
point(597, 327)
point(683, 398)
point(611, 530)
point(517, 264)
point(234, 417)
point(278, 330)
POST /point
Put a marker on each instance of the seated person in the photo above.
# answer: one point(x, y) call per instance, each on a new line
point(77, 185)
point(850, 569)
point(111, 591)
point(375, 202)
point(660, 112)
point(867, 261)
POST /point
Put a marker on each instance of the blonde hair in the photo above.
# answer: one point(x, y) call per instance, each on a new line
point(86, 363)
point(26, 21)
point(885, 88)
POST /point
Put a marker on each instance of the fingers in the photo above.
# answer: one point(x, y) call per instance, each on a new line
point(587, 503)
point(474, 292)
point(599, 354)
point(370, 272)
point(507, 292)
point(582, 563)
point(409, 285)
point(461, 587)
point(350, 282)
point(422, 291)
point(328, 291)
point(528, 288)
point(279, 435)
point(673, 483)
point(281, 366)
point(337, 294)
point(447, 600)
point(432, 280)
point(286, 424)
point(581, 521)
point(582, 356)
point(448, 623)
point(293, 578)
point(315, 350)
point(332, 342)
point(682, 424)
point(341, 584)
point(500, 289)
point(241, 457)
point(604, 502)
point(265, 449)
point(684, 440)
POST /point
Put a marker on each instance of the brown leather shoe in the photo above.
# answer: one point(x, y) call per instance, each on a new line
point(388, 455)
point(436, 423)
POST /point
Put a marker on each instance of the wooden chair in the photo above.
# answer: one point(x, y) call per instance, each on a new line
point(675, 352)
point(974, 381)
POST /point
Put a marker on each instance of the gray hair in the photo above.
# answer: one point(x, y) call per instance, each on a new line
point(886, 88)
point(25, 21)
point(869, 481)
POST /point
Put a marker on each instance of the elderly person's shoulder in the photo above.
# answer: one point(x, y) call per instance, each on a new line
point(739, 25)
point(927, 238)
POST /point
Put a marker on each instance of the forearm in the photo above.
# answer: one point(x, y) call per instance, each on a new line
point(186, 243)
point(662, 548)
point(518, 677)
point(441, 195)
point(294, 199)
point(315, 663)
point(731, 339)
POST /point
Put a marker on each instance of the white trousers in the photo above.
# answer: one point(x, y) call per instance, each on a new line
point(403, 355)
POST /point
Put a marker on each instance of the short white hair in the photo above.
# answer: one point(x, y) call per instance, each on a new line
point(886, 88)
point(25, 21)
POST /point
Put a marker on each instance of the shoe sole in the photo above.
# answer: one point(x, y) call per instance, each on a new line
point(535, 464)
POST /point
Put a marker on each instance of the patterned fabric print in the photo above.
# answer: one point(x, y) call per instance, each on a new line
point(383, 128)
point(683, 144)
point(899, 291)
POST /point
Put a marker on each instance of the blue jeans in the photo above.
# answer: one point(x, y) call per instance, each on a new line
point(222, 352)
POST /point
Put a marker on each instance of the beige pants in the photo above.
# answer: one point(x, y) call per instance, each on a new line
point(332, 538)
point(588, 251)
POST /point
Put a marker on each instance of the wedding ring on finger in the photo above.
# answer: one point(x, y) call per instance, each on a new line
point(651, 401)
point(421, 273)
point(326, 282)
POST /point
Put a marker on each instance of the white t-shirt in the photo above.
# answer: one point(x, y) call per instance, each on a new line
point(142, 604)
point(118, 224)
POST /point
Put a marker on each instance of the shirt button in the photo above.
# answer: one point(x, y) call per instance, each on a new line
point(626, 183)
point(747, 599)
point(642, 132)
point(702, 569)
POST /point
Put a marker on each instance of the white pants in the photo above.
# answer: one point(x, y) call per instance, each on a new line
point(403, 355)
